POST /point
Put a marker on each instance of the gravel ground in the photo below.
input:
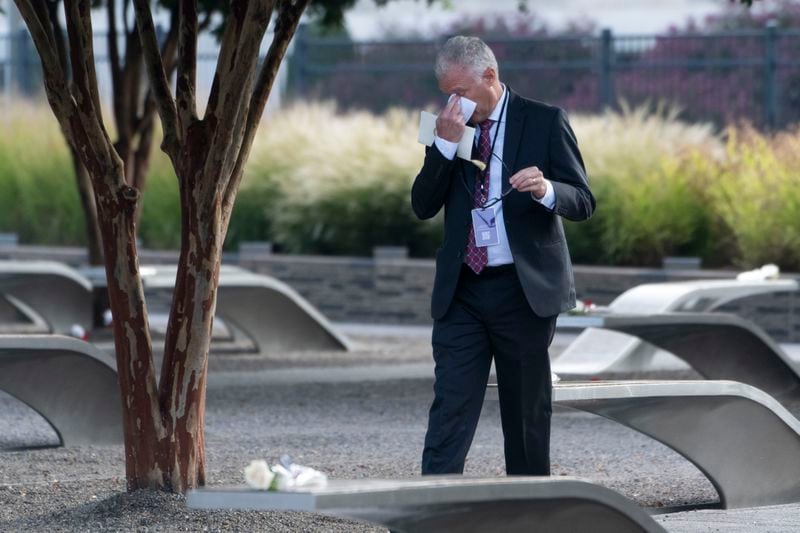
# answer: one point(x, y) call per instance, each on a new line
point(370, 429)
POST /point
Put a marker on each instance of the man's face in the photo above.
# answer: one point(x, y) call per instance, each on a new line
point(482, 89)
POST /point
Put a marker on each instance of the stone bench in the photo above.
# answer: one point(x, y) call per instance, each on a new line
point(716, 345)
point(72, 384)
point(742, 439)
point(587, 352)
point(49, 295)
point(271, 315)
point(451, 504)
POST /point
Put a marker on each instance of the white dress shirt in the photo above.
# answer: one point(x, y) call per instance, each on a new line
point(500, 253)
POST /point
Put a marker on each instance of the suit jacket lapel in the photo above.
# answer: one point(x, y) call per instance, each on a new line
point(515, 124)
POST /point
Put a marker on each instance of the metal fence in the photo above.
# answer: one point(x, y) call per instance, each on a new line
point(20, 68)
point(721, 77)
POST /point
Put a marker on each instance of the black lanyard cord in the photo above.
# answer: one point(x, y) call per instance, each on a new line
point(489, 161)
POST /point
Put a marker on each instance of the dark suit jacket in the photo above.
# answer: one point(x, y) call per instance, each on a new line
point(536, 134)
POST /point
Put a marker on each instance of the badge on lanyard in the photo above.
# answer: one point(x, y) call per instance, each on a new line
point(484, 224)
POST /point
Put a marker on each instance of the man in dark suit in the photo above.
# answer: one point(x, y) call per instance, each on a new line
point(503, 272)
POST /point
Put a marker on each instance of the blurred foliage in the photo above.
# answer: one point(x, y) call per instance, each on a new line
point(757, 195)
point(651, 196)
point(321, 181)
point(38, 198)
point(340, 183)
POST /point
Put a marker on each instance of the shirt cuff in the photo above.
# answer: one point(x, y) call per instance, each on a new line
point(549, 198)
point(447, 148)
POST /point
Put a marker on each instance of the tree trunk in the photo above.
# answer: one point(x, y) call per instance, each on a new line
point(185, 367)
point(164, 425)
point(141, 417)
point(94, 245)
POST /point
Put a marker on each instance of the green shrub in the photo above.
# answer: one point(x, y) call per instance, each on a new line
point(160, 223)
point(329, 183)
point(757, 196)
point(340, 183)
point(38, 194)
point(651, 198)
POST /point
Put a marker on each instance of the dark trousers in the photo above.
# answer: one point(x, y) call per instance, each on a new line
point(489, 316)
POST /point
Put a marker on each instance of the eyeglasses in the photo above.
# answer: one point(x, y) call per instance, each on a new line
point(482, 167)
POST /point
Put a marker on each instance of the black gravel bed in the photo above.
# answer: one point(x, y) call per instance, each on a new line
point(371, 429)
point(349, 430)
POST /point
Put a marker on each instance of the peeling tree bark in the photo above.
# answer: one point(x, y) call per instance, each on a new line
point(164, 422)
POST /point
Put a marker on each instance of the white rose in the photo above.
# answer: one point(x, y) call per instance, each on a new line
point(750, 275)
point(770, 271)
point(257, 475)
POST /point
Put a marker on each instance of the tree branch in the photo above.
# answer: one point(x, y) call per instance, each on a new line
point(170, 46)
point(227, 47)
point(158, 78)
point(58, 34)
point(126, 4)
point(285, 27)
point(186, 84)
point(43, 14)
point(168, 52)
point(103, 162)
point(236, 80)
point(118, 85)
point(84, 76)
point(132, 80)
point(41, 33)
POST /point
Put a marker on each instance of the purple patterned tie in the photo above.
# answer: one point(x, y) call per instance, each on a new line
point(477, 257)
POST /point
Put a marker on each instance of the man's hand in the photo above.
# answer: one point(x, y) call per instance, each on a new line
point(450, 124)
point(530, 180)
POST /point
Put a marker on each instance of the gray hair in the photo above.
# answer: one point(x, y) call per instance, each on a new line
point(470, 52)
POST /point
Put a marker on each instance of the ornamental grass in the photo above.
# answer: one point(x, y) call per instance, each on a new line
point(321, 181)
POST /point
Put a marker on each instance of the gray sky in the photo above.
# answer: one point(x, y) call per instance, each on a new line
point(622, 16)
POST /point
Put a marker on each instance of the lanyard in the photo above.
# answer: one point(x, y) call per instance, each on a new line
point(493, 201)
point(497, 129)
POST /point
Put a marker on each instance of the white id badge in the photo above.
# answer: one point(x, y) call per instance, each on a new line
point(484, 223)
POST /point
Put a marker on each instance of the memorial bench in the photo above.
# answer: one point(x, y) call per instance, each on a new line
point(70, 383)
point(50, 295)
point(451, 504)
point(744, 441)
point(592, 348)
point(716, 345)
point(272, 315)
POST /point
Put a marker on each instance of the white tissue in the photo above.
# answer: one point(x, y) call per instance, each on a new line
point(467, 107)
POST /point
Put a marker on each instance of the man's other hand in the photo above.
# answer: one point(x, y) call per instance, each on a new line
point(529, 180)
point(450, 124)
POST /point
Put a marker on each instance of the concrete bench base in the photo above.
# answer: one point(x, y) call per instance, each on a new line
point(72, 384)
point(56, 294)
point(452, 504)
point(263, 314)
point(715, 345)
point(719, 346)
point(596, 351)
point(742, 439)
